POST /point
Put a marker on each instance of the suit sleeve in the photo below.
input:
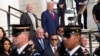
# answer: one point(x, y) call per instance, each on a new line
point(22, 19)
point(43, 21)
point(45, 53)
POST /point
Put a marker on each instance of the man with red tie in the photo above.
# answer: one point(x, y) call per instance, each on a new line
point(49, 20)
point(52, 49)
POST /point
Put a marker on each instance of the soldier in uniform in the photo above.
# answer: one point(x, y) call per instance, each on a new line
point(20, 34)
point(71, 41)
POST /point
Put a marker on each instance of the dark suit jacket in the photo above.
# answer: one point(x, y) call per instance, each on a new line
point(61, 2)
point(97, 51)
point(39, 47)
point(77, 2)
point(48, 51)
point(49, 25)
point(25, 20)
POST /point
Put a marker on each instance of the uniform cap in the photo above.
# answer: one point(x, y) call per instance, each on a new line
point(17, 29)
point(68, 30)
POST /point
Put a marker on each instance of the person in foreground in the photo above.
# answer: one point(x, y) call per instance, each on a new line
point(20, 34)
point(71, 41)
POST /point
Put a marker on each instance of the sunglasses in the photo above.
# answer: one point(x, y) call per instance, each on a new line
point(61, 31)
point(54, 39)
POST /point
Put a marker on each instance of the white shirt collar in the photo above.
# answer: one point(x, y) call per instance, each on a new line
point(60, 38)
point(74, 50)
point(66, 49)
point(22, 48)
point(49, 11)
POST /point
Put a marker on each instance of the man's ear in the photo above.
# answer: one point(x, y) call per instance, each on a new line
point(78, 37)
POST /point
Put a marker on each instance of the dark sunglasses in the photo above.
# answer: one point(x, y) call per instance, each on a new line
point(61, 31)
point(54, 39)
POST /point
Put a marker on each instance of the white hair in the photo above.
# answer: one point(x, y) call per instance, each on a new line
point(39, 29)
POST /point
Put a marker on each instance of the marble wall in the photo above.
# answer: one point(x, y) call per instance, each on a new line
point(3, 16)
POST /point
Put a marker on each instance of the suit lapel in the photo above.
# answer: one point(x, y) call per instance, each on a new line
point(51, 52)
point(39, 44)
point(36, 20)
point(34, 17)
point(14, 52)
point(28, 17)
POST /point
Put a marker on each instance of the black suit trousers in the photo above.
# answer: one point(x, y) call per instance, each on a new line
point(61, 17)
point(84, 17)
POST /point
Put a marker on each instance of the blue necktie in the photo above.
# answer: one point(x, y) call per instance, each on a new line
point(41, 42)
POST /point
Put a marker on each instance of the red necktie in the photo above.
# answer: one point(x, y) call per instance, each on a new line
point(55, 49)
point(52, 15)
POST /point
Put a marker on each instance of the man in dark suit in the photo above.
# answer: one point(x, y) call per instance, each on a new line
point(52, 49)
point(84, 44)
point(49, 20)
point(40, 42)
point(20, 34)
point(29, 18)
point(60, 32)
point(61, 7)
point(72, 41)
point(79, 6)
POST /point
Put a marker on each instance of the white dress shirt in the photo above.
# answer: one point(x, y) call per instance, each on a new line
point(33, 20)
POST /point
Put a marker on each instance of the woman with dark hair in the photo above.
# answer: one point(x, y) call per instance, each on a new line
point(5, 45)
point(2, 34)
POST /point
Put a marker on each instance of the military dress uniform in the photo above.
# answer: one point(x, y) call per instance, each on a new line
point(25, 52)
point(97, 51)
point(76, 50)
point(26, 49)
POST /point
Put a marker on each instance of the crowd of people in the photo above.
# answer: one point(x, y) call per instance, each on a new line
point(67, 41)
point(52, 38)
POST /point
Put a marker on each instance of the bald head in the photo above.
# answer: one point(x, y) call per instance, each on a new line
point(40, 32)
point(39, 28)
point(50, 5)
point(29, 7)
point(83, 41)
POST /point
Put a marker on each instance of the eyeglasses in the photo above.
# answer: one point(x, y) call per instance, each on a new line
point(54, 39)
point(61, 31)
